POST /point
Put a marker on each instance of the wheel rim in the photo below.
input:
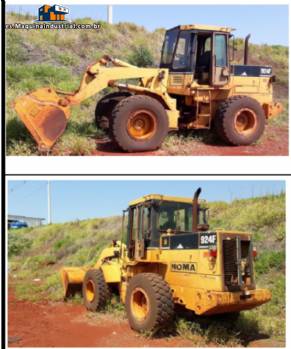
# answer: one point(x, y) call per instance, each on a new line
point(245, 121)
point(139, 304)
point(90, 291)
point(142, 124)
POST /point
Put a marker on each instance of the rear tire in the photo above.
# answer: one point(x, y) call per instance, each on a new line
point(95, 290)
point(240, 120)
point(105, 106)
point(139, 123)
point(149, 303)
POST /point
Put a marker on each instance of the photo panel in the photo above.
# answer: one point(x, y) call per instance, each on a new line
point(90, 81)
point(151, 261)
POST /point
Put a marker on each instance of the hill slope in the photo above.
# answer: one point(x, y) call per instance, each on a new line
point(37, 58)
point(39, 253)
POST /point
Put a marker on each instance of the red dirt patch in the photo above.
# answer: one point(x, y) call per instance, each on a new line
point(273, 142)
point(56, 324)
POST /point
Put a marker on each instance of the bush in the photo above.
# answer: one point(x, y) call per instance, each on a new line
point(268, 260)
point(67, 59)
point(141, 56)
point(15, 52)
point(17, 244)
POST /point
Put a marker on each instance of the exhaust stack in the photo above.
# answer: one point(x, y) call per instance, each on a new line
point(195, 211)
point(246, 51)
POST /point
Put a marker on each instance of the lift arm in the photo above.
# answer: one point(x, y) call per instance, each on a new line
point(45, 112)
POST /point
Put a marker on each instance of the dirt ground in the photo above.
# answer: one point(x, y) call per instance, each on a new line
point(58, 324)
point(273, 142)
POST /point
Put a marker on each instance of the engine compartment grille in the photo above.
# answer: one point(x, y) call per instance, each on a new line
point(177, 80)
point(238, 264)
point(230, 263)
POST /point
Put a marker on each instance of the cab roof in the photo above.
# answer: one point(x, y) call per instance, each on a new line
point(160, 197)
point(213, 28)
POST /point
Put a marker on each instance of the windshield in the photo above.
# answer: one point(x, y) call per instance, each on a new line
point(176, 216)
point(169, 46)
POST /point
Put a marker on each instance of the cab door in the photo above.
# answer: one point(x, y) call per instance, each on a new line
point(138, 231)
point(220, 70)
point(181, 71)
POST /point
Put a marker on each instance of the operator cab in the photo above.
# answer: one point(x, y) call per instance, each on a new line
point(198, 50)
point(154, 215)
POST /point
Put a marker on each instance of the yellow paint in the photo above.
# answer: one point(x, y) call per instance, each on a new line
point(111, 271)
point(160, 197)
point(110, 266)
point(206, 27)
point(97, 77)
point(194, 276)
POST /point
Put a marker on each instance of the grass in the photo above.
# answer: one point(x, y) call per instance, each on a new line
point(59, 58)
point(283, 118)
point(37, 254)
point(182, 143)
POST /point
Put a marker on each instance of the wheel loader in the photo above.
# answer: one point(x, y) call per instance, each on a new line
point(168, 257)
point(195, 87)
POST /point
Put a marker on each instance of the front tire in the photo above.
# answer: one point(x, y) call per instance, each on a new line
point(240, 120)
point(105, 106)
point(139, 123)
point(149, 303)
point(95, 290)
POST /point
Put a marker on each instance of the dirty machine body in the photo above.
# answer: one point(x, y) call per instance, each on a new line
point(167, 257)
point(195, 87)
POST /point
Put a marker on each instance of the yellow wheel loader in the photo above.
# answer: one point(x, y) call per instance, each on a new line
point(169, 256)
point(195, 87)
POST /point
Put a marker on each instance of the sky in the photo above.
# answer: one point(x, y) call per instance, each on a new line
point(266, 23)
point(72, 200)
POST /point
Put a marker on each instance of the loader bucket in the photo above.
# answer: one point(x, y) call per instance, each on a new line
point(43, 116)
point(72, 280)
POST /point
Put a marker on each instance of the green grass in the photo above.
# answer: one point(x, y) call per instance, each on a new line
point(264, 216)
point(283, 118)
point(58, 58)
point(37, 254)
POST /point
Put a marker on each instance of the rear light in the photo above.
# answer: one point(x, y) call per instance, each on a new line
point(255, 253)
point(213, 252)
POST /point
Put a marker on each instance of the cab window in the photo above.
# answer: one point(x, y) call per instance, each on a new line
point(176, 216)
point(134, 224)
point(182, 57)
point(169, 47)
point(220, 50)
point(146, 222)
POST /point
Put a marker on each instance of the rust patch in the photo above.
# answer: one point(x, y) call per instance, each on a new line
point(44, 118)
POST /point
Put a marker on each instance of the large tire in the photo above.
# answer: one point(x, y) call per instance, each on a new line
point(240, 120)
point(105, 106)
point(139, 123)
point(149, 303)
point(95, 290)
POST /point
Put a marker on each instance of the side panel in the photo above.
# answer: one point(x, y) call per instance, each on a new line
point(111, 272)
point(258, 88)
point(190, 268)
point(179, 83)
